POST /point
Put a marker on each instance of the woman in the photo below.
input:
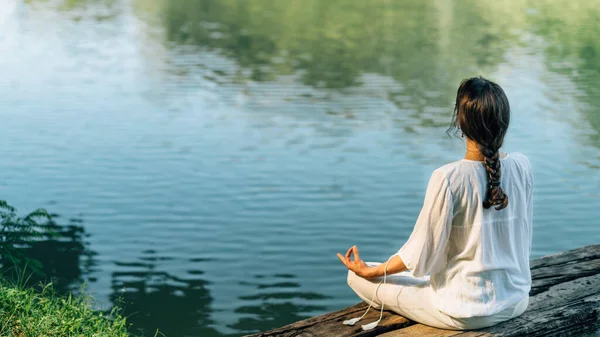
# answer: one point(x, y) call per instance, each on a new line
point(473, 235)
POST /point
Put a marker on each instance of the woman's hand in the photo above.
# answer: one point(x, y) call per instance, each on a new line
point(358, 266)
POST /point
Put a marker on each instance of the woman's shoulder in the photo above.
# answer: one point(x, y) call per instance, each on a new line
point(519, 156)
point(521, 161)
point(523, 166)
point(457, 169)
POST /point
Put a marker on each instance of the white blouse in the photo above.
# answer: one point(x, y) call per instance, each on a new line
point(478, 258)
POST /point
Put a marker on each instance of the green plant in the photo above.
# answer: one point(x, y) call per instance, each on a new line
point(17, 234)
point(27, 312)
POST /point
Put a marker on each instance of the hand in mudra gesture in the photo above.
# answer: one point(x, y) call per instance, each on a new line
point(358, 266)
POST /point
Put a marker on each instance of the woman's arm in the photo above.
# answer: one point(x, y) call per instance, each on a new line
point(395, 265)
point(426, 246)
point(360, 268)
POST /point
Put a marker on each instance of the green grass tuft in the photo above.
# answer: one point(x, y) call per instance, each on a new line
point(26, 312)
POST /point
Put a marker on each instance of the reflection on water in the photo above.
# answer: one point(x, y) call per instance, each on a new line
point(278, 302)
point(208, 143)
point(332, 46)
point(63, 252)
point(574, 52)
point(65, 255)
point(154, 299)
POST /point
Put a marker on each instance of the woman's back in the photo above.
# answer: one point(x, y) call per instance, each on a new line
point(486, 265)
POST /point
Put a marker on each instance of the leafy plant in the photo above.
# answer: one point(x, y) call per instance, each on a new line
point(17, 234)
point(29, 312)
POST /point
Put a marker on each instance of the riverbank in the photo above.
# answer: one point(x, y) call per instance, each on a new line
point(30, 312)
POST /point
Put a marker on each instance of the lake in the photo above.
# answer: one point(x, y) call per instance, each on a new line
point(216, 154)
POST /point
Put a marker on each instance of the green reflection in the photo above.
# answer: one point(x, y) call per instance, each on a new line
point(571, 31)
point(426, 46)
point(277, 301)
point(65, 255)
point(72, 4)
point(37, 250)
point(153, 299)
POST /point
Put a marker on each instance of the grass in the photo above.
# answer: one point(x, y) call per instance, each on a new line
point(26, 312)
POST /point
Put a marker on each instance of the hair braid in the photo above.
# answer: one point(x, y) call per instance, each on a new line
point(495, 196)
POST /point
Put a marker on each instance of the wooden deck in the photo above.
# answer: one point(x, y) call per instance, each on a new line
point(564, 301)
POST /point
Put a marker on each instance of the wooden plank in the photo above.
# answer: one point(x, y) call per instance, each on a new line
point(330, 325)
point(565, 266)
point(421, 330)
point(565, 300)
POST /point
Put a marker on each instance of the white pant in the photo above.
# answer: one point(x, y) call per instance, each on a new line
point(412, 298)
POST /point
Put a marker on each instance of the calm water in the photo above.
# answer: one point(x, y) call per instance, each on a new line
point(217, 154)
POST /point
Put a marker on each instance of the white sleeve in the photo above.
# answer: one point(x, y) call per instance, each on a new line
point(530, 205)
point(426, 246)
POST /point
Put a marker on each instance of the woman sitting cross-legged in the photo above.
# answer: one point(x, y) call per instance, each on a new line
point(466, 263)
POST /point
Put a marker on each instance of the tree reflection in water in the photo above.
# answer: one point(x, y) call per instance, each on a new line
point(279, 301)
point(63, 254)
point(153, 299)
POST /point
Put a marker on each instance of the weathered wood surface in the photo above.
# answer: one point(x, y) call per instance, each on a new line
point(564, 301)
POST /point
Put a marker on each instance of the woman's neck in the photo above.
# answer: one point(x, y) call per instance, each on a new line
point(473, 152)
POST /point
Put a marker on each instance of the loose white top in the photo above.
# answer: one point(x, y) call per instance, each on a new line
point(478, 258)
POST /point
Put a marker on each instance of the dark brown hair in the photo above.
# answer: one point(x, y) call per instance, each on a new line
point(482, 113)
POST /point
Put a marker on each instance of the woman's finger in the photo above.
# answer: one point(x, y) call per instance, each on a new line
point(342, 259)
point(348, 254)
point(355, 251)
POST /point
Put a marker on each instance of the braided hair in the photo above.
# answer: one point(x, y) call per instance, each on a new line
point(482, 113)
